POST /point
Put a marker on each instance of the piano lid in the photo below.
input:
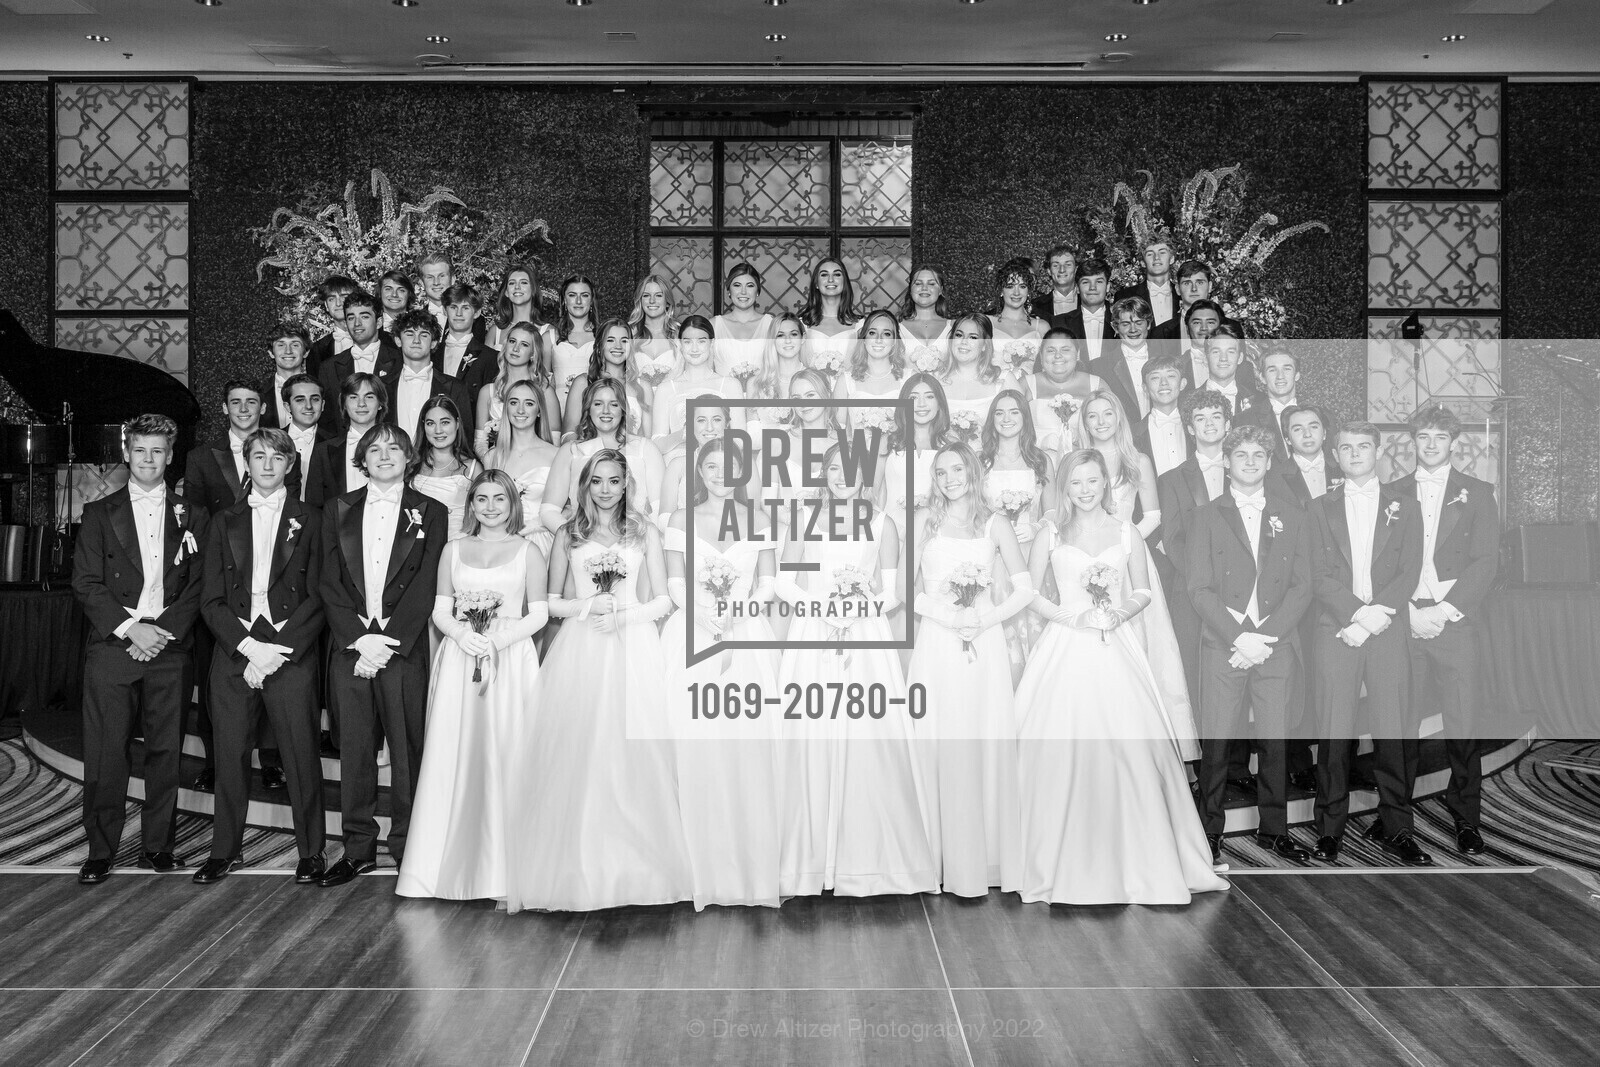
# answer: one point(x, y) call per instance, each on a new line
point(101, 389)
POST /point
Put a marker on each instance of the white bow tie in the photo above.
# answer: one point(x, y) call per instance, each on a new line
point(1167, 420)
point(275, 501)
point(1366, 492)
point(416, 375)
point(158, 495)
point(1208, 463)
point(1309, 464)
point(1245, 500)
point(384, 496)
point(1440, 477)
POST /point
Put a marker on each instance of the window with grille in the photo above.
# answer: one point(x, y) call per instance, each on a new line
point(780, 204)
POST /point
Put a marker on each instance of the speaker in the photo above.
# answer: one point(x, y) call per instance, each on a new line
point(1555, 553)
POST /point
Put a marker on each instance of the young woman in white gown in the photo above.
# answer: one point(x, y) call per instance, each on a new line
point(830, 318)
point(611, 357)
point(1107, 816)
point(445, 466)
point(459, 827)
point(602, 426)
point(854, 808)
point(1059, 389)
point(728, 768)
point(1016, 331)
point(527, 458)
point(521, 354)
point(968, 741)
point(914, 445)
point(925, 320)
point(875, 371)
point(743, 329)
point(595, 801)
point(1103, 426)
point(575, 335)
point(693, 375)
point(517, 300)
point(1017, 483)
point(653, 325)
point(782, 357)
point(708, 424)
point(970, 377)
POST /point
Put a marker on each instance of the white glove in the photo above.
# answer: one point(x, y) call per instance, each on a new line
point(376, 649)
point(264, 657)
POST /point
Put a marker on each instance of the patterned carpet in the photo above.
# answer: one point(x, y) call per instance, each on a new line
point(1542, 810)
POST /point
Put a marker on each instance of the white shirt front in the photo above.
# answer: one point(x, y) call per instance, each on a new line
point(378, 521)
point(1280, 406)
point(1430, 495)
point(341, 340)
point(305, 440)
point(436, 309)
point(454, 349)
point(1315, 473)
point(1136, 359)
point(1199, 370)
point(1094, 331)
point(1214, 469)
point(1361, 515)
point(365, 358)
point(266, 512)
point(1167, 446)
point(150, 522)
point(1161, 302)
point(236, 446)
point(1251, 507)
point(354, 476)
point(412, 391)
point(1061, 303)
point(278, 378)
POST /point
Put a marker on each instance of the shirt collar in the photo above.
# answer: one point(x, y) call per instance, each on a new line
point(1440, 477)
point(1310, 463)
point(1365, 492)
point(154, 496)
point(1174, 419)
point(1257, 499)
point(391, 495)
point(274, 500)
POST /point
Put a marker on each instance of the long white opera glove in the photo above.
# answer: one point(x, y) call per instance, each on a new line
point(1020, 597)
point(678, 590)
point(786, 588)
point(561, 607)
point(891, 589)
point(931, 607)
point(649, 611)
point(550, 515)
point(766, 589)
point(444, 618)
point(521, 629)
point(1148, 522)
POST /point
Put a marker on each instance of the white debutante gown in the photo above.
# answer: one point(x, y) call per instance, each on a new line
point(895, 504)
point(968, 741)
point(594, 811)
point(1020, 353)
point(569, 361)
point(1022, 629)
point(1053, 434)
point(457, 847)
point(978, 407)
point(1107, 816)
point(633, 449)
point(530, 487)
point(728, 769)
point(451, 491)
point(825, 348)
point(729, 351)
point(855, 811)
point(926, 356)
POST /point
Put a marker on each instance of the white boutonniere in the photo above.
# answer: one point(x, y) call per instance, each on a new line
point(294, 528)
point(1334, 483)
point(178, 509)
point(1459, 498)
point(467, 360)
point(1391, 513)
point(1274, 526)
point(414, 517)
point(189, 545)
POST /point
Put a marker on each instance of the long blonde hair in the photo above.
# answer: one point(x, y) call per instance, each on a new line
point(1122, 443)
point(1072, 462)
point(469, 522)
point(631, 523)
point(939, 506)
point(767, 379)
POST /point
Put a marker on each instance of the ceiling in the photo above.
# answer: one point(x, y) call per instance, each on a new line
point(837, 39)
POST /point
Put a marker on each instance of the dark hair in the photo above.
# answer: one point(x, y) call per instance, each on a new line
point(1190, 267)
point(404, 279)
point(941, 307)
point(1434, 417)
point(597, 354)
point(377, 432)
point(1136, 305)
point(1202, 399)
point(1360, 428)
point(1027, 439)
point(699, 494)
point(1061, 248)
point(1206, 304)
point(1092, 266)
point(1227, 328)
point(811, 312)
point(1018, 267)
point(1281, 350)
point(1296, 409)
point(1057, 331)
point(742, 269)
point(242, 383)
point(277, 440)
point(462, 293)
point(352, 385)
point(415, 319)
point(1160, 363)
point(1256, 435)
point(461, 450)
point(904, 438)
point(298, 379)
point(564, 322)
point(149, 425)
point(363, 299)
point(289, 331)
point(336, 285)
point(503, 308)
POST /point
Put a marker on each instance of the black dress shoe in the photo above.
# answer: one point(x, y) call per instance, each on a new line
point(1305, 781)
point(346, 870)
point(1246, 784)
point(1327, 850)
point(215, 870)
point(1374, 831)
point(205, 781)
point(160, 861)
point(328, 748)
point(1403, 846)
point(273, 778)
point(1469, 842)
point(1284, 846)
point(93, 872)
point(1215, 841)
point(310, 870)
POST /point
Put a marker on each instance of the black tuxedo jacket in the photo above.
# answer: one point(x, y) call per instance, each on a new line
point(480, 365)
point(1183, 492)
point(1222, 570)
point(1118, 376)
point(1141, 440)
point(1168, 331)
point(1246, 400)
point(420, 532)
point(443, 385)
point(292, 587)
point(1044, 307)
point(211, 481)
point(1072, 322)
point(330, 469)
point(1261, 413)
point(108, 567)
point(1466, 547)
point(1396, 556)
point(334, 371)
point(1142, 291)
point(1286, 478)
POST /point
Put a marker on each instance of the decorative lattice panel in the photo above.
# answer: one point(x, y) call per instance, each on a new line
point(785, 265)
point(1433, 135)
point(1433, 254)
point(1477, 452)
point(160, 342)
point(88, 482)
point(682, 183)
point(686, 264)
point(775, 184)
point(115, 256)
point(122, 136)
point(1458, 362)
point(880, 268)
point(875, 184)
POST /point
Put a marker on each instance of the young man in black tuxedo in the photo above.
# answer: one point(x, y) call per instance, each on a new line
point(1311, 470)
point(262, 604)
point(368, 352)
point(461, 353)
point(288, 347)
point(1156, 289)
point(437, 276)
point(1229, 374)
point(1194, 283)
point(420, 381)
point(1061, 263)
point(136, 572)
point(302, 397)
point(1249, 575)
point(1161, 435)
point(1280, 379)
point(331, 294)
point(1091, 320)
point(381, 547)
point(363, 403)
point(1201, 320)
point(1121, 363)
point(1461, 554)
point(1367, 560)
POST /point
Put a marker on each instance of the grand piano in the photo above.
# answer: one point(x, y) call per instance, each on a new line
point(79, 401)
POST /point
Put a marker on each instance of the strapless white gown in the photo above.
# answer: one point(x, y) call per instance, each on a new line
point(830, 353)
point(569, 361)
point(451, 491)
point(926, 356)
point(729, 351)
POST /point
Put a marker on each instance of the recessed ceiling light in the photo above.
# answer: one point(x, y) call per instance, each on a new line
point(1116, 37)
point(775, 3)
point(1339, 3)
point(209, 3)
point(1144, 3)
point(405, 3)
point(97, 38)
point(437, 38)
point(972, 1)
point(1452, 38)
point(776, 37)
point(580, 3)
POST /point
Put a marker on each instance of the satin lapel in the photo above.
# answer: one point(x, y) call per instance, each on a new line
point(1196, 482)
point(404, 543)
point(1333, 502)
point(174, 540)
point(120, 513)
point(1380, 537)
point(1235, 521)
point(1126, 374)
point(350, 513)
point(1264, 539)
point(239, 542)
point(224, 458)
point(1449, 514)
point(284, 545)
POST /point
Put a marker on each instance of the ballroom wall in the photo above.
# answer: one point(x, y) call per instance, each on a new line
point(24, 213)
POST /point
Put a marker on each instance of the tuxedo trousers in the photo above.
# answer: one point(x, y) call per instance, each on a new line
point(117, 691)
point(1383, 663)
point(287, 700)
point(394, 706)
point(1228, 696)
point(204, 650)
point(1445, 677)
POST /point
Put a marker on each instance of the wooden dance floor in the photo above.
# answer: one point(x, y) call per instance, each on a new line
point(1363, 968)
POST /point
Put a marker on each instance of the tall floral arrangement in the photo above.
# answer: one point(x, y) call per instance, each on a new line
point(319, 237)
point(1204, 219)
